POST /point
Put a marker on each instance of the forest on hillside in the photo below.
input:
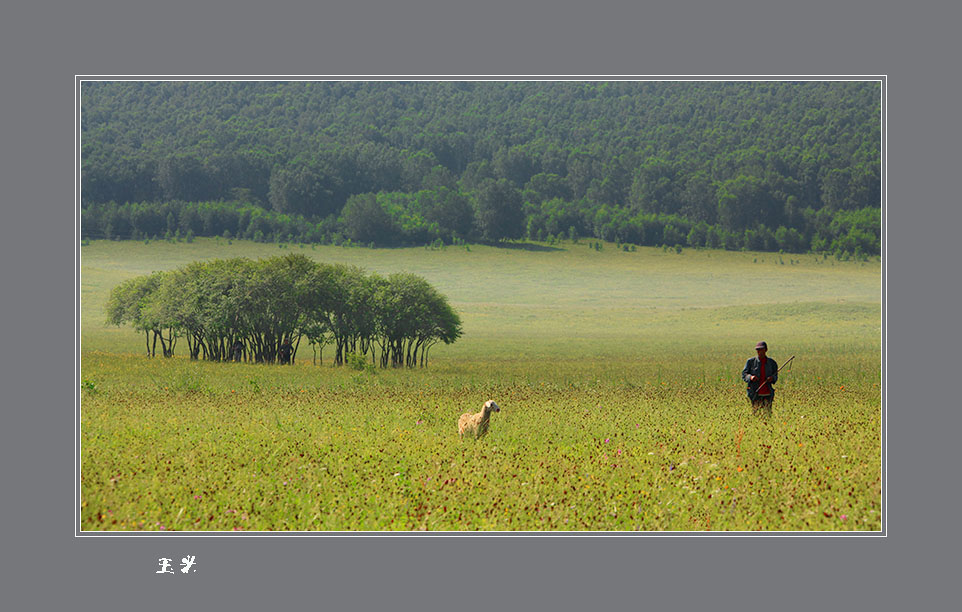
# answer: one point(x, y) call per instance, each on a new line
point(793, 166)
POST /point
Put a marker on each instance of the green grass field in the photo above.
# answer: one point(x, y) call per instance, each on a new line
point(617, 374)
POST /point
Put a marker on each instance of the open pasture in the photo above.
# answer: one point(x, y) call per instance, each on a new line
point(617, 374)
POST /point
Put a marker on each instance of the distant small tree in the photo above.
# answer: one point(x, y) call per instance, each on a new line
point(136, 301)
point(698, 235)
point(365, 220)
point(498, 210)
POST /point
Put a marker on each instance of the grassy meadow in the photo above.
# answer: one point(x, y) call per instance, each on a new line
point(617, 373)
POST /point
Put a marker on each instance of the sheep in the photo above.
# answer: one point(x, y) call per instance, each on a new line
point(477, 424)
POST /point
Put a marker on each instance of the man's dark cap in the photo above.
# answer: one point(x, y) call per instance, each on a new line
point(761, 345)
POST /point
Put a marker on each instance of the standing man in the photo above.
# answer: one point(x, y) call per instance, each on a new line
point(761, 374)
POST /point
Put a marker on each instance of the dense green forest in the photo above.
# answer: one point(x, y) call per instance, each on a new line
point(791, 166)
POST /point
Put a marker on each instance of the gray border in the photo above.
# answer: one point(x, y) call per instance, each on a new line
point(80, 79)
point(46, 567)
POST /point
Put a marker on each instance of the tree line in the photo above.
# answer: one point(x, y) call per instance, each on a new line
point(423, 218)
point(405, 163)
point(260, 311)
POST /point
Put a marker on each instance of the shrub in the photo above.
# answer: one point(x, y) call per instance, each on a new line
point(359, 363)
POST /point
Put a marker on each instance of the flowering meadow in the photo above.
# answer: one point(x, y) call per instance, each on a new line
point(617, 374)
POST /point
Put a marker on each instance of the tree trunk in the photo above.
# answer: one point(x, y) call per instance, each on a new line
point(297, 343)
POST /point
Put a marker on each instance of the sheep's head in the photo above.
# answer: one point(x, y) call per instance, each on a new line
point(490, 406)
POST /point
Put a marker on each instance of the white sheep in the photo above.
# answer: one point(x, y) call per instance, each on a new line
point(477, 424)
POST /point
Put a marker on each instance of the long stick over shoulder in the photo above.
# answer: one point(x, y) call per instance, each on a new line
point(785, 364)
point(776, 372)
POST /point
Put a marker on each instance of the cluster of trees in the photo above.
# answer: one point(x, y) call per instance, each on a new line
point(258, 306)
point(407, 163)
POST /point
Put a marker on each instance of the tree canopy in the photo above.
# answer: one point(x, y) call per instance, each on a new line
point(255, 307)
point(405, 162)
